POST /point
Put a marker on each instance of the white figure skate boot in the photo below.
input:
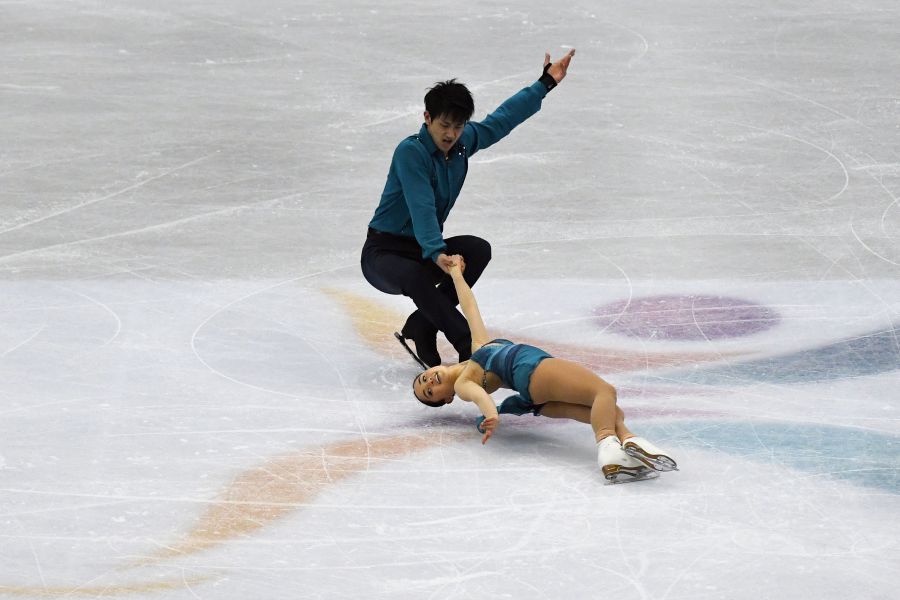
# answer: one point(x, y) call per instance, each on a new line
point(617, 466)
point(649, 454)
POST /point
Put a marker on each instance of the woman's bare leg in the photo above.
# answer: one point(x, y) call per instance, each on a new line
point(560, 381)
point(568, 390)
point(564, 410)
point(582, 414)
point(622, 432)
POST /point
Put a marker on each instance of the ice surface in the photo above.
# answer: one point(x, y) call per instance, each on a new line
point(200, 396)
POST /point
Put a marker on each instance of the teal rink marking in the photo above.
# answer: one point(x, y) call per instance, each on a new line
point(866, 458)
point(867, 354)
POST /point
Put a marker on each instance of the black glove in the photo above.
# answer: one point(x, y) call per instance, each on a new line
point(547, 79)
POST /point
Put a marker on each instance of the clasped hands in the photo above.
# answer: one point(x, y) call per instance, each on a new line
point(445, 262)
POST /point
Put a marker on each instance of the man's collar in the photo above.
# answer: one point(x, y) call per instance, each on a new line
point(426, 140)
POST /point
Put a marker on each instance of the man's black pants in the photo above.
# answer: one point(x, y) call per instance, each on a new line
point(393, 264)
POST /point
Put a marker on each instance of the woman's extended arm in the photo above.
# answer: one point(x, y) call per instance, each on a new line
point(469, 306)
point(472, 392)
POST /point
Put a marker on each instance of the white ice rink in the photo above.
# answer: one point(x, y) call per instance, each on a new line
point(199, 393)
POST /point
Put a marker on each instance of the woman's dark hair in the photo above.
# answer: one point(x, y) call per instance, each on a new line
point(451, 100)
point(425, 402)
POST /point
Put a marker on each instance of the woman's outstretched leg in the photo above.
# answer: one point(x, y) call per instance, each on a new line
point(560, 381)
point(564, 410)
point(582, 414)
point(568, 390)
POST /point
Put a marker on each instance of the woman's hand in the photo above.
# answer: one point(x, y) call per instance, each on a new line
point(457, 261)
point(488, 426)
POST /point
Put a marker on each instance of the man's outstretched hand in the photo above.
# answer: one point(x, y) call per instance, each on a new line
point(558, 69)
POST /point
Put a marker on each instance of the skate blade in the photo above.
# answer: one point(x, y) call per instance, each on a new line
point(657, 462)
point(408, 349)
point(615, 474)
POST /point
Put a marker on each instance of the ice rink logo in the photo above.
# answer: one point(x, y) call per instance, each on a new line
point(704, 342)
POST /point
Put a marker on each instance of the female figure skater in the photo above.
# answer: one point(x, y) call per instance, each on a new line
point(547, 386)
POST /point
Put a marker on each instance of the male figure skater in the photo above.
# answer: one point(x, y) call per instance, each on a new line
point(405, 251)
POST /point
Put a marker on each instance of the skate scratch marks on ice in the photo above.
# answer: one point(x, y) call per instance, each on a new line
point(109, 196)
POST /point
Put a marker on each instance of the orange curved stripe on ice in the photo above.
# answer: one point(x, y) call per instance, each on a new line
point(287, 483)
point(375, 324)
point(100, 591)
point(258, 497)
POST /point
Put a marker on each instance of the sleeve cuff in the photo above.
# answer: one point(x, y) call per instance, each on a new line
point(546, 78)
point(437, 253)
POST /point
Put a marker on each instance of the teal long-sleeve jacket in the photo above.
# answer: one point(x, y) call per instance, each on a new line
point(422, 185)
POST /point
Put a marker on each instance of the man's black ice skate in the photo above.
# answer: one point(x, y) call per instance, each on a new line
point(424, 338)
point(410, 350)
